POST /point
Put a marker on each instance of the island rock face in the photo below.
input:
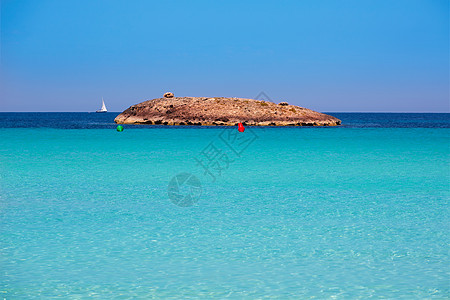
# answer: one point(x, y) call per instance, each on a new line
point(222, 111)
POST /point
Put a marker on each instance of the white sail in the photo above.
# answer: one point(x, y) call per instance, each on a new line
point(103, 106)
point(103, 109)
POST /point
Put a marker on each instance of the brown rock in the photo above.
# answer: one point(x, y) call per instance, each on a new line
point(221, 111)
point(283, 103)
point(168, 95)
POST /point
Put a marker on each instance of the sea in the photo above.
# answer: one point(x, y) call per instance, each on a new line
point(358, 211)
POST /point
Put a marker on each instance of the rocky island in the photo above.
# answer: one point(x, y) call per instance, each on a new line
point(211, 111)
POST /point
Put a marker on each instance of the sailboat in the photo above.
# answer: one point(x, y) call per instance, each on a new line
point(103, 109)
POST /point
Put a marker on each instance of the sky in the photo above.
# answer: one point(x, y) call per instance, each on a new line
point(329, 55)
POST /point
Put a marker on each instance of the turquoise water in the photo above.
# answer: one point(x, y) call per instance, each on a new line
point(320, 213)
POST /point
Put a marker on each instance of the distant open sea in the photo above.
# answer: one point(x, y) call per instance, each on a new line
point(351, 212)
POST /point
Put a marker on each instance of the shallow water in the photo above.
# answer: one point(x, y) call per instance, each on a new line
point(356, 211)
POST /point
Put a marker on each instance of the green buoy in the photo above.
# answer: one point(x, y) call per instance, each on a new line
point(119, 128)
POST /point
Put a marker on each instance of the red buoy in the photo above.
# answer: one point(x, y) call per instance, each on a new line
point(241, 127)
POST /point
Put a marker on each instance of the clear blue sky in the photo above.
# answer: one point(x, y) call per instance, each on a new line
point(379, 55)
